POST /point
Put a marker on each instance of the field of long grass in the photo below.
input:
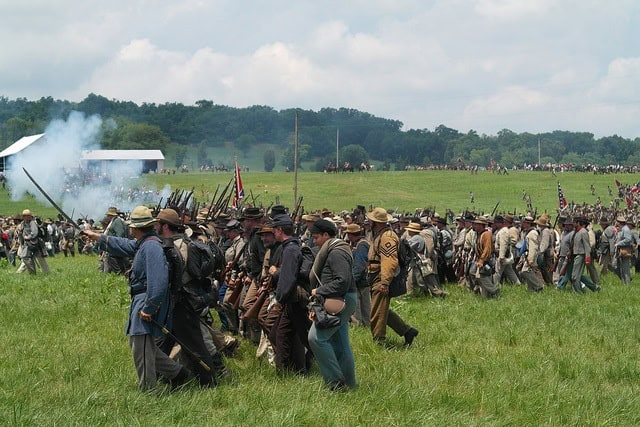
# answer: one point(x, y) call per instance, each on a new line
point(553, 358)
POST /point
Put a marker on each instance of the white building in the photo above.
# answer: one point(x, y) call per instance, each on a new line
point(153, 160)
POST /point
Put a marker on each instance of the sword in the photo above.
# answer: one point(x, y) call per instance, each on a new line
point(58, 208)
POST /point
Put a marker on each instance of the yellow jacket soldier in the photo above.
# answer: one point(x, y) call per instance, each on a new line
point(382, 266)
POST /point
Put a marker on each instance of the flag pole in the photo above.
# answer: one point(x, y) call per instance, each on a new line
point(295, 163)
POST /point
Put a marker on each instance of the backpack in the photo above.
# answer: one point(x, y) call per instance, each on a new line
point(219, 262)
point(398, 285)
point(175, 265)
point(308, 257)
point(43, 232)
point(201, 262)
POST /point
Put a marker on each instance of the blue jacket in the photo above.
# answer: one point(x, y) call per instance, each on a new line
point(149, 281)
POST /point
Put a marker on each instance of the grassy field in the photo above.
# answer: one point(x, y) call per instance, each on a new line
point(553, 358)
point(404, 191)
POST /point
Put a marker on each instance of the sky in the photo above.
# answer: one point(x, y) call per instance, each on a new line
point(484, 65)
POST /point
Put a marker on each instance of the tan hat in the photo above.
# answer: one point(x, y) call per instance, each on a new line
point(203, 214)
point(112, 211)
point(169, 216)
point(141, 217)
point(480, 220)
point(413, 227)
point(265, 229)
point(26, 212)
point(542, 221)
point(619, 219)
point(353, 228)
point(379, 215)
point(310, 217)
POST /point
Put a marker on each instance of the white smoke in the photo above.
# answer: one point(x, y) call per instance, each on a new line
point(55, 164)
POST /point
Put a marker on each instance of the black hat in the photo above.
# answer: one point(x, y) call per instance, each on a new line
point(277, 210)
point(251, 213)
point(281, 220)
point(581, 220)
point(324, 226)
point(234, 225)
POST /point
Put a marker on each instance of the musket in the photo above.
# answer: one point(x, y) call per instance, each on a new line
point(213, 199)
point(54, 204)
point(158, 206)
point(493, 212)
point(182, 345)
point(221, 203)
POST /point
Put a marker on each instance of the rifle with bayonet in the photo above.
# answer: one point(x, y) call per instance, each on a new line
point(54, 204)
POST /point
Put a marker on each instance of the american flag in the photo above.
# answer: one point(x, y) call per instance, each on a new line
point(562, 201)
point(238, 189)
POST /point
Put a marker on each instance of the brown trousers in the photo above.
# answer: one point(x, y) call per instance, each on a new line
point(382, 315)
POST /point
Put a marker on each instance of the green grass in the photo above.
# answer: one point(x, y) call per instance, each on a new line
point(525, 359)
point(553, 358)
point(403, 190)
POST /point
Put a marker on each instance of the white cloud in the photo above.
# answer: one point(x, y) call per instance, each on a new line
point(486, 64)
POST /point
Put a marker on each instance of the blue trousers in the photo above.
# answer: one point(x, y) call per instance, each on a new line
point(332, 349)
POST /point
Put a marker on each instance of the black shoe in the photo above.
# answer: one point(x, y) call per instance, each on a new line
point(410, 336)
point(338, 386)
point(181, 379)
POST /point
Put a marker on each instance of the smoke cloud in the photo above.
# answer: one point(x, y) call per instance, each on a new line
point(81, 190)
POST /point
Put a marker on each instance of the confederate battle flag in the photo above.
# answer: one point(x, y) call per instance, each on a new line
point(238, 189)
point(562, 201)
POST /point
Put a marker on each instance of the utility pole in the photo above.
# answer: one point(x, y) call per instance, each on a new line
point(295, 163)
point(337, 146)
point(539, 165)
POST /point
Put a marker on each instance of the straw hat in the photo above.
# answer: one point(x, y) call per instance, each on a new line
point(141, 217)
point(26, 212)
point(480, 220)
point(353, 229)
point(413, 227)
point(379, 215)
point(542, 221)
point(112, 211)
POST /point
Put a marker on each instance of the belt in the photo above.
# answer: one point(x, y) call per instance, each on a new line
point(133, 292)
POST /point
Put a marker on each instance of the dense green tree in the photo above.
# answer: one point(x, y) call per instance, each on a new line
point(151, 125)
point(269, 160)
point(203, 159)
point(180, 155)
point(353, 154)
point(245, 142)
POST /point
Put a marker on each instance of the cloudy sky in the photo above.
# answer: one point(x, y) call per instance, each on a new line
point(487, 65)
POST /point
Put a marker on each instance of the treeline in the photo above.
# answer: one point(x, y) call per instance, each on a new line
point(361, 136)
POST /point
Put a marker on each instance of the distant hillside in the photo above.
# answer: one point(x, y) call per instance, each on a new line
point(207, 133)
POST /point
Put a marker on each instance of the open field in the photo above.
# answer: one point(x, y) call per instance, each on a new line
point(553, 358)
point(403, 190)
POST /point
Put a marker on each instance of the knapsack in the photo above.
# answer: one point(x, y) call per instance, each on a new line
point(308, 257)
point(201, 262)
point(219, 262)
point(43, 232)
point(175, 264)
point(398, 285)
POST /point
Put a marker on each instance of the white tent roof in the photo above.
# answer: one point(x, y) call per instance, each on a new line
point(122, 155)
point(20, 145)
